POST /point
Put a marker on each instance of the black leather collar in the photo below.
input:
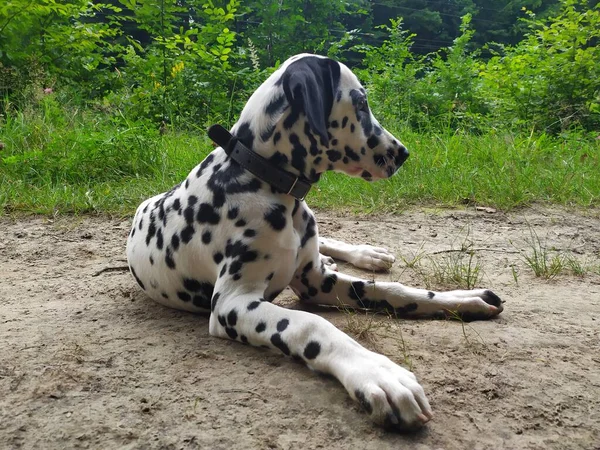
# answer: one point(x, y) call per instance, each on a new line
point(282, 180)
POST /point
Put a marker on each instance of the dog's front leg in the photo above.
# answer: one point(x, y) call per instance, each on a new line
point(317, 283)
point(389, 393)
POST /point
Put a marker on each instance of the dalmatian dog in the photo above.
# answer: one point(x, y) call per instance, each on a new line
point(229, 238)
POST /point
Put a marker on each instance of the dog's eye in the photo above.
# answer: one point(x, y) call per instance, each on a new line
point(362, 105)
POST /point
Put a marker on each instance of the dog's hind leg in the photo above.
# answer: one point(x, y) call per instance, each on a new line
point(389, 393)
point(362, 256)
point(318, 284)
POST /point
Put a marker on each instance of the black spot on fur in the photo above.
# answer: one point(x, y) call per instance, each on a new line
point(357, 290)
point(169, 258)
point(191, 285)
point(232, 213)
point(231, 332)
point(312, 350)
point(334, 155)
point(204, 164)
point(214, 301)
point(207, 214)
point(430, 295)
point(206, 237)
point(232, 318)
point(240, 223)
point(309, 232)
point(278, 342)
point(188, 215)
point(261, 327)
point(151, 230)
point(282, 325)
point(276, 137)
point(175, 242)
point(187, 234)
point(344, 121)
point(137, 278)
point(299, 153)
point(278, 159)
point(249, 233)
point(159, 239)
point(218, 257)
point(276, 217)
point(406, 309)
point(245, 135)
point(253, 305)
point(351, 154)
point(328, 283)
point(373, 142)
point(184, 296)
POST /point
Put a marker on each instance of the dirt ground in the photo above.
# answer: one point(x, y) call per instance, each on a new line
point(87, 361)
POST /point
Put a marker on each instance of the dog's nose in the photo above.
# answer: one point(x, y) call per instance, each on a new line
point(402, 155)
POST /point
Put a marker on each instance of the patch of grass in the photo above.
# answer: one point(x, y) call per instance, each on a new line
point(360, 324)
point(58, 158)
point(500, 170)
point(575, 265)
point(540, 259)
point(369, 327)
point(456, 268)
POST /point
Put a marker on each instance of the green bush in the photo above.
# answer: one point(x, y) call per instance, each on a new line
point(551, 80)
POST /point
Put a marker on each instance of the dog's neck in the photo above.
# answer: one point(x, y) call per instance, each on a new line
point(295, 149)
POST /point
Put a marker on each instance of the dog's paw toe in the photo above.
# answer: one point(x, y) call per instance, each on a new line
point(390, 395)
point(492, 299)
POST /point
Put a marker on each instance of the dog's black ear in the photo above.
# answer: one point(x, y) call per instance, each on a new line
point(310, 85)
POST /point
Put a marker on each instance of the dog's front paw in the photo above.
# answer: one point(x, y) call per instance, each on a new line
point(389, 393)
point(372, 258)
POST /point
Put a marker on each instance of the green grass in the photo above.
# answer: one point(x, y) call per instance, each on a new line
point(57, 159)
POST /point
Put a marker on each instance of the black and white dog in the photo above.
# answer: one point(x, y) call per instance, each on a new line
point(237, 231)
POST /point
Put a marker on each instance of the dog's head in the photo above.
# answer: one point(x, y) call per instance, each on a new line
point(316, 116)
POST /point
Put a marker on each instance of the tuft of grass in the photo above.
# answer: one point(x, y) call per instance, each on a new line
point(577, 267)
point(456, 268)
point(360, 324)
point(543, 262)
point(369, 327)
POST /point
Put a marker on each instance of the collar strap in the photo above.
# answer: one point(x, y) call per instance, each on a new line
point(282, 180)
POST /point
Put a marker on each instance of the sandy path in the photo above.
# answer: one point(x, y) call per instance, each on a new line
point(89, 362)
